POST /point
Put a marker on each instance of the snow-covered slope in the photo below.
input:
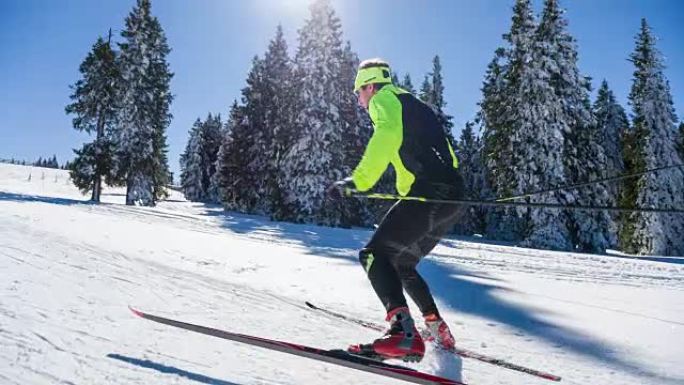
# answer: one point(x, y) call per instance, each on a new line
point(69, 269)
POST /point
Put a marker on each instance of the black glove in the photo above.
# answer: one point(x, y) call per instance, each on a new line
point(340, 189)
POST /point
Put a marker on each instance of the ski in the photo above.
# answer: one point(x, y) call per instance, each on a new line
point(337, 357)
point(460, 351)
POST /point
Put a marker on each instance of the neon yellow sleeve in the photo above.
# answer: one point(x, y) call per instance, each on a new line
point(385, 111)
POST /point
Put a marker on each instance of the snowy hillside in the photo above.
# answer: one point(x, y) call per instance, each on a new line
point(69, 270)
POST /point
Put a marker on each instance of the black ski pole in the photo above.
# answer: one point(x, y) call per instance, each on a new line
point(515, 204)
point(578, 185)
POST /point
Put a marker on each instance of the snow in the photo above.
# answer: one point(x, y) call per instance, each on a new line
point(71, 268)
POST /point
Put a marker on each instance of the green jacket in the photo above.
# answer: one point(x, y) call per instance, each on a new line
point(408, 135)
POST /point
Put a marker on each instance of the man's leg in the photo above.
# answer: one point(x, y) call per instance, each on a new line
point(396, 232)
point(440, 219)
point(395, 238)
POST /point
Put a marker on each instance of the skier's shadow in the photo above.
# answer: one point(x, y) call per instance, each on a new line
point(22, 198)
point(453, 286)
point(170, 370)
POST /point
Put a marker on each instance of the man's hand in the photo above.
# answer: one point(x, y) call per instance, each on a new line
point(339, 189)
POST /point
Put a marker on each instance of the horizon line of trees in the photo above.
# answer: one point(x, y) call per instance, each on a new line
point(46, 162)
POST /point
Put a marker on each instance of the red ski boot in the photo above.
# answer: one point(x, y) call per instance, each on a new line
point(402, 341)
point(438, 331)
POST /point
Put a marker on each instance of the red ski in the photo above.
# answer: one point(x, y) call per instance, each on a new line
point(337, 357)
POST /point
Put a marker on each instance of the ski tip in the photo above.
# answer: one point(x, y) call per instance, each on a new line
point(136, 312)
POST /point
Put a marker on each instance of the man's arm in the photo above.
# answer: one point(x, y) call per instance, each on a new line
point(385, 111)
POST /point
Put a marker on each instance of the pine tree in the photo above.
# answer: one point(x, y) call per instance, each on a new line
point(612, 124)
point(407, 84)
point(315, 160)
point(257, 142)
point(508, 106)
point(191, 165)
point(222, 178)
point(425, 94)
point(145, 101)
point(583, 156)
point(279, 134)
point(437, 99)
point(216, 184)
point(497, 153)
point(469, 149)
point(653, 145)
point(527, 133)
point(94, 106)
point(432, 93)
point(198, 162)
point(613, 129)
point(211, 142)
point(235, 177)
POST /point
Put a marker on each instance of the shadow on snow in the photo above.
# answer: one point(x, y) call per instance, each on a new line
point(450, 283)
point(170, 370)
point(5, 196)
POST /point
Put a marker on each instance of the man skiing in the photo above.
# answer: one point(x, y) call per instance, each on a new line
point(408, 135)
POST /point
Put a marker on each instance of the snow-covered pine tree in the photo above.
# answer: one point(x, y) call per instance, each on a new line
point(497, 149)
point(211, 142)
point(278, 99)
point(94, 106)
point(407, 84)
point(425, 94)
point(216, 187)
point(583, 156)
point(257, 141)
point(612, 123)
point(232, 172)
point(469, 149)
point(654, 145)
point(144, 114)
point(191, 165)
point(432, 93)
point(437, 99)
point(315, 160)
point(613, 127)
point(538, 126)
point(506, 144)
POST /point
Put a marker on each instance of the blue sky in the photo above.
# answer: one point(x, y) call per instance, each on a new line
point(42, 43)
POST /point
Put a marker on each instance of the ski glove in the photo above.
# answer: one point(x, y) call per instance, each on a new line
point(340, 189)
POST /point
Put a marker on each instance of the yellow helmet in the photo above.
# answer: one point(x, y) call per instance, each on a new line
point(369, 75)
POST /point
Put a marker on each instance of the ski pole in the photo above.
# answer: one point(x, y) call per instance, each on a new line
point(578, 185)
point(463, 202)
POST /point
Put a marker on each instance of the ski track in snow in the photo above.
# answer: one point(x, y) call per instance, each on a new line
point(70, 269)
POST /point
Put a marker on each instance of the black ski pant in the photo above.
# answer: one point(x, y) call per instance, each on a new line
point(407, 233)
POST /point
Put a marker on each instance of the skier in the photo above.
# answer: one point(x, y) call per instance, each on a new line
point(407, 134)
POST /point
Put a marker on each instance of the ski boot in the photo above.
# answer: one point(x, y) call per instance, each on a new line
point(438, 331)
point(402, 341)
